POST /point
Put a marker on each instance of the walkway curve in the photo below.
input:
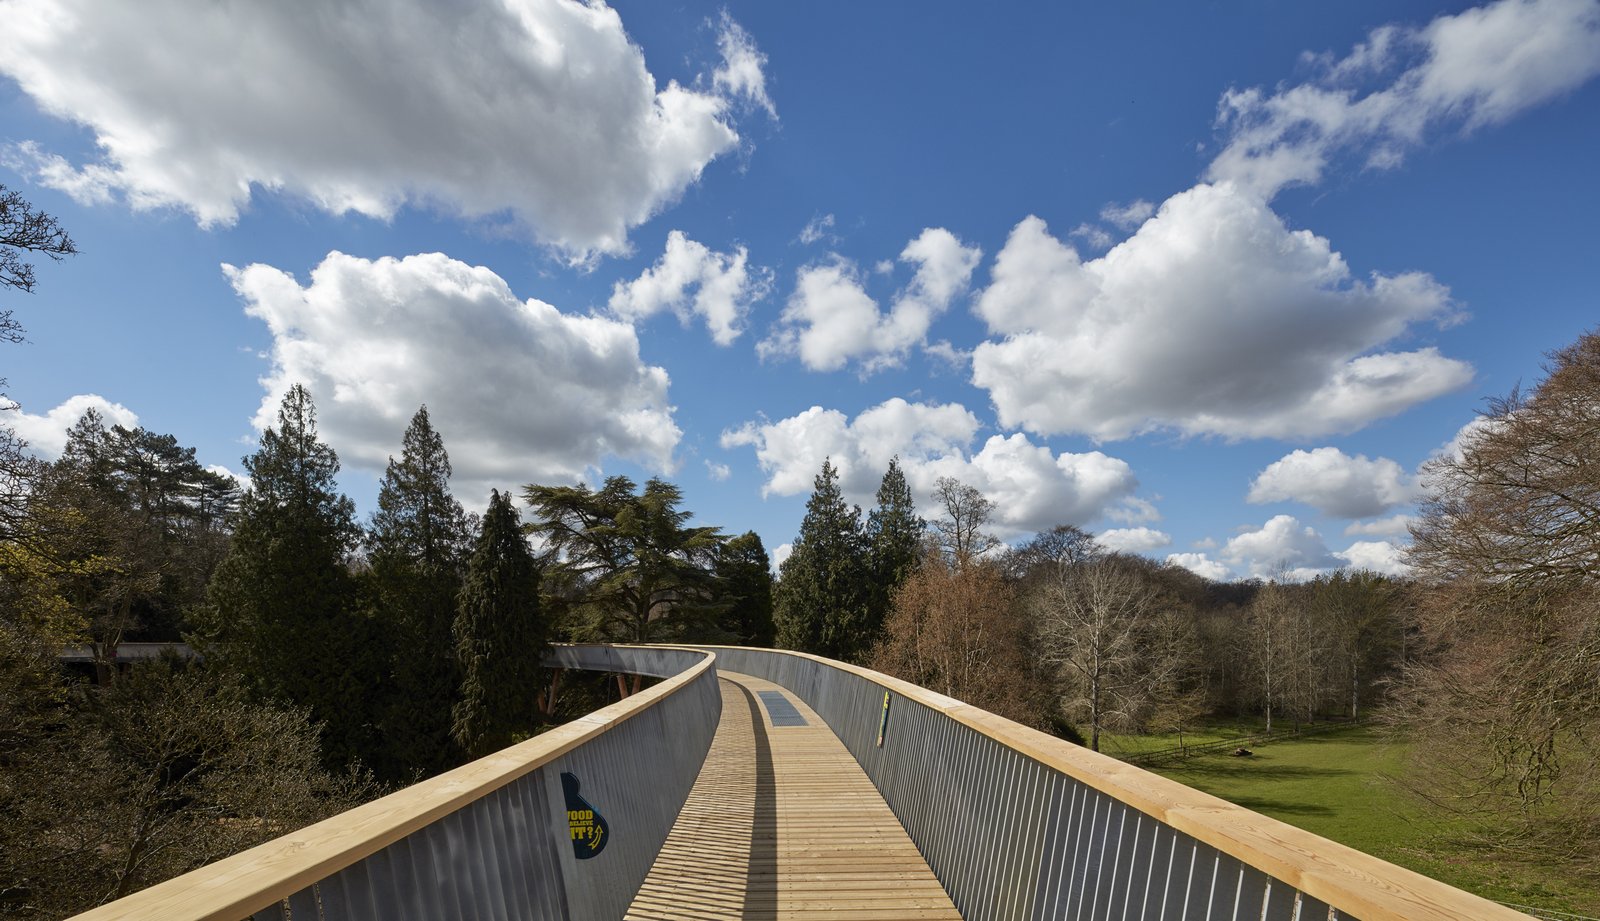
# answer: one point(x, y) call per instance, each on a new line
point(782, 823)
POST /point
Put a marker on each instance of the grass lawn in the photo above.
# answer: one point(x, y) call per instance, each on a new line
point(1334, 785)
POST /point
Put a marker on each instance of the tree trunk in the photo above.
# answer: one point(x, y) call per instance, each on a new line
point(1094, 714)
point(1355, 689)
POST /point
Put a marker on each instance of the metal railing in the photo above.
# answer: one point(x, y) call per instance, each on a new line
point(1014, 823)
point(1019, 825)
point(491, 839)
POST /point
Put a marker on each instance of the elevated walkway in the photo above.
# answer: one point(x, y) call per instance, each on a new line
point(758, 783)
point(782, 823)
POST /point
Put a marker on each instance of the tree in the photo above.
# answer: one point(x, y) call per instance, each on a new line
point(821, 605)
point(631, 564)
point(500, 637)
point(283, 605)
point(25, 230)
point(1047, 551)
point(964, 512)
point(417, 547)
point(894, 535)
point(1503, 701)
point(1519, 505)
point(1359, 614)
point(1096, 623)
point(94, 561)
point(110, 791)
point(1267, 636)
point(956, 630)
point(745, 574)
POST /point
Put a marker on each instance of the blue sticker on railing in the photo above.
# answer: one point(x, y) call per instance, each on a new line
point(587, 828)
point(779, 710)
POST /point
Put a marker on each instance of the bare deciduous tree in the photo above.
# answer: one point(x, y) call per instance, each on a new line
point(1094, 623)
point(1504, 706)
point(1281, 652)
point(957, 631)
point(963, 514)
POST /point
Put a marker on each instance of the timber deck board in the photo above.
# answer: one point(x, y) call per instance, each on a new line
point(782, 823)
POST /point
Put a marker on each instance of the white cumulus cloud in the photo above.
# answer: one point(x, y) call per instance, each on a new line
point(1282, 546)
point(1129, 216)
point(743, 73)
point(691, 280)
point(540, 113)
point(1464, 71)
point(1335, 483)
point(1201, 565)
point(830, 320)
point(1392, 526)
point(520, 391)
point(1377, 555)
point(1032, 487)
point(1133, 540)
point(46, 432)
point(1213, 318)
point(818, 228)
point(1286, 548)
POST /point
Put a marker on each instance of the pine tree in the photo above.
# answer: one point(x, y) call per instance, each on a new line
point(823, 587)
point(282, 609)
point(894, 540)
point(500, 637)
point(418, 544)
point(746, 575)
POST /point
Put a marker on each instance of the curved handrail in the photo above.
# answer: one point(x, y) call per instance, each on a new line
point(1355, 883)
point(256, 879)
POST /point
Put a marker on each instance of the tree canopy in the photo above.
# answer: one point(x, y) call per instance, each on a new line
point(894, 535)
point(283, 606)
point(630, 564)
point(823, 596)
point(500, 636)
point(417, 547)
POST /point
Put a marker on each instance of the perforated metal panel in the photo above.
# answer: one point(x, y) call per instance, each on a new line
point(1011, 838)
point(507, 856)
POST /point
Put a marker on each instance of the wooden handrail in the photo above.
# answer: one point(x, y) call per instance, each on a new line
point(1354, 882)
point(238, 886)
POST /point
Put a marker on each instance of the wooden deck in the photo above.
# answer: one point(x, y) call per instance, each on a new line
point(783, 823)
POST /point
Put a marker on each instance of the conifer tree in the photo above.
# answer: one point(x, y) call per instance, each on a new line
point(418, 544)
point(746, 575)
point(500, 637)
point(894, 541)
point(823, 587)
point(631, 564)
point(282, 609)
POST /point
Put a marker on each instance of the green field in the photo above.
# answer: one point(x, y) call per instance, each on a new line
point(1338, 785)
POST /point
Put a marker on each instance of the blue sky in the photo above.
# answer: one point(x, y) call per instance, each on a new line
point(1211, 280)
